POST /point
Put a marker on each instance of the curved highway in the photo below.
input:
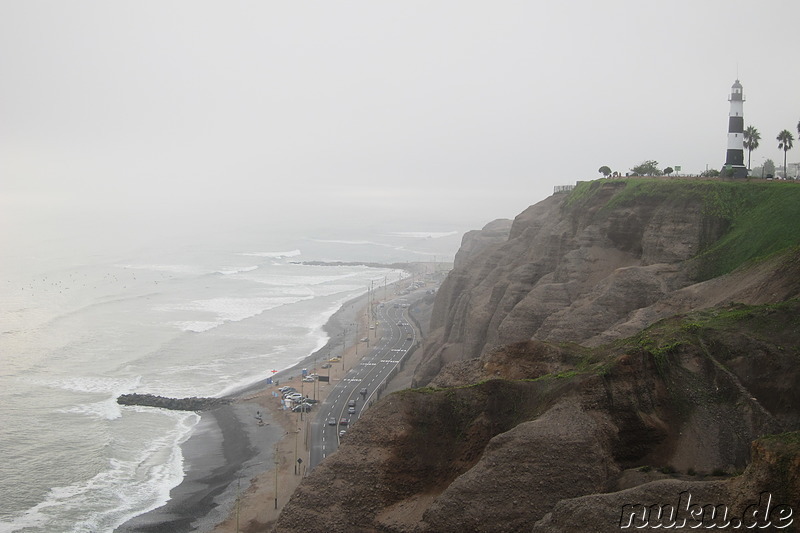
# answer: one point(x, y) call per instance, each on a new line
point(359, 387)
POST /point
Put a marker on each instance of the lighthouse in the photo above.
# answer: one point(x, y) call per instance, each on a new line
point(734, 159)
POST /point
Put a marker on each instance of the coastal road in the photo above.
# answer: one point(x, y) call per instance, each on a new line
point(396, 338)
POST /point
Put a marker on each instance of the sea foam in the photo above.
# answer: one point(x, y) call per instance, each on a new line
point(125, 489)
point(275, 255)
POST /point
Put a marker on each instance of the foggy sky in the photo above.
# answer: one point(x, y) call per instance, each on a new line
point(433, 112)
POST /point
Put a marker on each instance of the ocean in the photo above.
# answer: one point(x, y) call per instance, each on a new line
point(77, 329)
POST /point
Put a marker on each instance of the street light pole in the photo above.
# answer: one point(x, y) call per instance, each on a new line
point(276, 478)
point(344, 346)
point(238, 501)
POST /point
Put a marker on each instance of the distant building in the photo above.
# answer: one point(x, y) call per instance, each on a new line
point(734, 159)
point(792, 171)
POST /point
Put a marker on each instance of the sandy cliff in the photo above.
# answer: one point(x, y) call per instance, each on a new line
point(588, 271)
point(593, 358)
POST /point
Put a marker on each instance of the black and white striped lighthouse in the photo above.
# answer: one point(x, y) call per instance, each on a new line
point(734, 159)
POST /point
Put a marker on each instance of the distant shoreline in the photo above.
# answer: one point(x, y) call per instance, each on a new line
point(228, 444)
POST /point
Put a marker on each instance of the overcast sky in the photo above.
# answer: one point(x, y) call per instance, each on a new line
point(459, 111)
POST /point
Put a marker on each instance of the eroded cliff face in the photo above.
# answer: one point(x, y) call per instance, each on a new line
point(540, 426)
point(574, 367)
point(587, 272)
point(474, 242)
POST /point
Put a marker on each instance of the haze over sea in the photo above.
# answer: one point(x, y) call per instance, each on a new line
point(81, 324)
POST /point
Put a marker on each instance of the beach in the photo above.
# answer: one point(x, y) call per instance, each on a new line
point(230, 458)
point(169, 320)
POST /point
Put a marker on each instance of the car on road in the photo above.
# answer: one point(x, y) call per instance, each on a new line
point(351, 410)
point(344, 421)
point(331, 421)
point(342, 433)
point(364, 391)
point(351, 403)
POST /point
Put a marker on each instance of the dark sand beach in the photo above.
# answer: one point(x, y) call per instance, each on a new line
point(229, 447)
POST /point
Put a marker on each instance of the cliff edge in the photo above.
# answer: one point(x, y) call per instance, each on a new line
point(626, 345)
point(609, 259)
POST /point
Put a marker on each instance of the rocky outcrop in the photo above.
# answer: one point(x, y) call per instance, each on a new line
point(591, 360)
point(588, 271)
point(547, 425)
point(175, 404)
point(765, 496)
point(475, 241)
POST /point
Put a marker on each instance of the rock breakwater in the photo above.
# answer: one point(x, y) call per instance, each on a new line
point(175, 404)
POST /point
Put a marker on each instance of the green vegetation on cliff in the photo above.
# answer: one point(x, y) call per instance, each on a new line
point(761, 218)
point(777, 324)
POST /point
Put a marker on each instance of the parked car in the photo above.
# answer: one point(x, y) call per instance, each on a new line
point(308, 379)
point(326, 365)
point(302, 408)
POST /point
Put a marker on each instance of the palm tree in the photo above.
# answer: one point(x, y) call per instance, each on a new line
point(785, 143)
point(751, 138)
